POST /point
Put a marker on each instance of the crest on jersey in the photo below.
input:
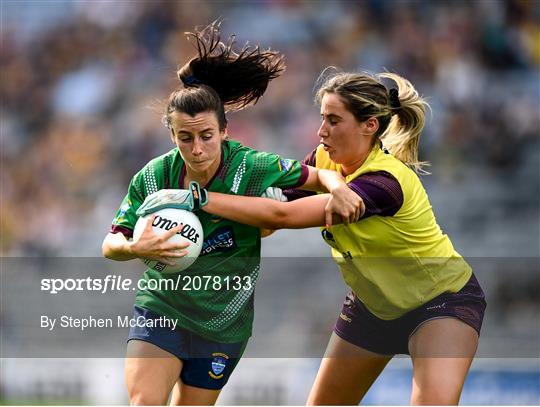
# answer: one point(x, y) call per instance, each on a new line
point(123, 209)
point(219, 362)
point(285, 165)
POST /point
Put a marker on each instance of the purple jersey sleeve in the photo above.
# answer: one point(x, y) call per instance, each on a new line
point(127, 232)
point(380, 192)
point(293, 194)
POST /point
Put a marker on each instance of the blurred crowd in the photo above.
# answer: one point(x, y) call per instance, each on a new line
point(83, 85)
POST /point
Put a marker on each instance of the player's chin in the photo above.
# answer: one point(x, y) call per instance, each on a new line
point(334, 155)
point(199, 165)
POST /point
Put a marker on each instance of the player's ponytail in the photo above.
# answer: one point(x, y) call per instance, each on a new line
point(239, 78)
point(402, 136)
point(400, 111)
point(221, 79)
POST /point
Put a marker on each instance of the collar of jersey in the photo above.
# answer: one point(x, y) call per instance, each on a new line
point(224, 146)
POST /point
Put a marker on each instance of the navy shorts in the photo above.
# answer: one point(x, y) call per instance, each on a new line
point(206, 364)
point(391, 337)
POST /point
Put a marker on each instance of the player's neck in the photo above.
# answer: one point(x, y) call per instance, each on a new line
point(350, 167)
point(202, 177)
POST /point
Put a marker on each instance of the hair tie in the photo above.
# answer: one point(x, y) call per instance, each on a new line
point(191, 80)
point(395, 104)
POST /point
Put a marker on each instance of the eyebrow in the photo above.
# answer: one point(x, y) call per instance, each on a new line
point(331, 116)
point(189, 133)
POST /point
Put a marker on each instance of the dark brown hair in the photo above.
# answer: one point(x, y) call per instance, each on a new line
point(220, 79)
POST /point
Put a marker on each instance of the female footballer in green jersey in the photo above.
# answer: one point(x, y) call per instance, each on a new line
point(214, 323)
point(412, 293)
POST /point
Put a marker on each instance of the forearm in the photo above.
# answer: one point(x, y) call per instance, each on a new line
point(294, 194)
point(330, 180)
point(117, 247)
point(323, 180)
point(344, 204)
point(259, 212)
point(267, 213)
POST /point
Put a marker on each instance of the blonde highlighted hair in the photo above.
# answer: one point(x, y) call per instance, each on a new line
point(401, 119)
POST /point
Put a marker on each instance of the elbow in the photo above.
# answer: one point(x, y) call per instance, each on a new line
point(106, 249)
point(279, 217)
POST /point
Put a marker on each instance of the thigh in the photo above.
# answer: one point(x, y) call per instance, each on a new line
point(442, 351)
point(150, 373)
point(210, 364)
point(184, 394)
point(206, 372)
point(346, 373)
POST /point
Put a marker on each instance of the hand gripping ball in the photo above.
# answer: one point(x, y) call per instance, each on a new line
point(191, 232)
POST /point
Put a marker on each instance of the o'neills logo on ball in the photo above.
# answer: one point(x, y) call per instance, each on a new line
point(187, 231)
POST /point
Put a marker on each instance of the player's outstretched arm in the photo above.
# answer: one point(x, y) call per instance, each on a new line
point(270, 214)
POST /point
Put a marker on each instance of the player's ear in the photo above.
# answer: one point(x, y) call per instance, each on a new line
point(172, 136)
point(371, 125)
point(224, 134)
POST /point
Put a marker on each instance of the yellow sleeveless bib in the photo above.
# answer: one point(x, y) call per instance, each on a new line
point(395, 263)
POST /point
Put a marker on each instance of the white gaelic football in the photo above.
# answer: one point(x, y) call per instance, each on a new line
point(191, 232)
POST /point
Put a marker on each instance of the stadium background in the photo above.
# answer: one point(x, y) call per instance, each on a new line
point(80, 85)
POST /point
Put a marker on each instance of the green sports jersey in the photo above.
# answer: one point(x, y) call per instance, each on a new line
point(217, 302)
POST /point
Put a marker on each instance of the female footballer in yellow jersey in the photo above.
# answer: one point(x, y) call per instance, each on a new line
point(412, 293)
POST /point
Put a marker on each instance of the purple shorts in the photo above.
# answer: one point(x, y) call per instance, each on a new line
point(391, 337)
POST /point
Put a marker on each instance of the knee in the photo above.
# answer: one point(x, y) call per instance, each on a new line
point(141, 393)
point(321, 401)
point(146, 398)
point(313, 401)
point(434, 396)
